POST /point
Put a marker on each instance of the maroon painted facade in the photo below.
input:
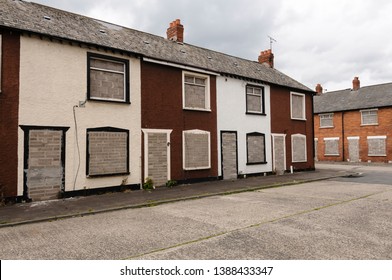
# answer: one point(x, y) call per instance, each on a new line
point(282, 123)
point(9, 105)
point(162, 108)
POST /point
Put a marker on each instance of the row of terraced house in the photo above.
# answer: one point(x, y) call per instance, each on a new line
point(86, 105)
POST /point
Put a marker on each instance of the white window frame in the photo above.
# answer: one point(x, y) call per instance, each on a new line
point(377, 138)
point(207, 91)
point(303, 106)
point(328, 116)
point(369, 111)
point(196, 131)
point(331, 139)
point(1, 59)
point(125, 73)
point(262, 99)
point(292, 147)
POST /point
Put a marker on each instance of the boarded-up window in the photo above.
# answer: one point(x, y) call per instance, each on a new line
point(298, 147)
point(196, 91)
point(297, 106)
point(331, 146)
point(196, 150)
point(326, 120)
point(254, 100)
point(107, 151)
point(255, 148)
point(376, 145)
point(369, 117)
point(108, 79)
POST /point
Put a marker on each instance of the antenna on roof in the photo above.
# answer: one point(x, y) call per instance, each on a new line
point(272, 40)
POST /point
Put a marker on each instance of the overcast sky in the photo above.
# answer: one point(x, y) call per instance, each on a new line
point(317, 41)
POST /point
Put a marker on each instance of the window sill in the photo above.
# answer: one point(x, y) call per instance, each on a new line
point(256, 163)
point(197, 168)
point(109, 101)
point(256, 113)
point(327, 127)
point(197, 109)
point(333, 155)
point(294, 119)
point(370, 124)
point(377, 155)
point(108, 175)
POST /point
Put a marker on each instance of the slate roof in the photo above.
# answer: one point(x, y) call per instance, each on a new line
point(367, 97)
point(44, 20)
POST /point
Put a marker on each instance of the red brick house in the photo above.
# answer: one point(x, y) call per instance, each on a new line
point(354, 124)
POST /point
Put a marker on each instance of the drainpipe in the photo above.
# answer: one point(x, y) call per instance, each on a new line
point(343, 137)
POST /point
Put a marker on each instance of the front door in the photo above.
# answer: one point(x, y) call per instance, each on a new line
point(279, 153)
point(353, 149)
point(229, 155)
point(157, 155)
point(44, 163)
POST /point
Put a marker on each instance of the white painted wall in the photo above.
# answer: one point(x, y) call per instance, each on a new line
point(53, 78)
point(231, 109)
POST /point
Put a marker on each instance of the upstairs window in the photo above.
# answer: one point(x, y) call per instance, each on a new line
point(369, 117)
point(298, 106)
point(326, 120)
point(254, 100)
point(108, 78)
point(196, 91)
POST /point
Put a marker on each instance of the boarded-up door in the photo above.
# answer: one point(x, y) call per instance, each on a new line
point(229, 155)
point(279, 153)
point(157, 155)
point(353, 149)
point(44, 166)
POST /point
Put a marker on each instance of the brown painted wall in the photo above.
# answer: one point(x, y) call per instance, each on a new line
point(348, 124)
point(281, 122)
point(161, 103)
point(9, 103)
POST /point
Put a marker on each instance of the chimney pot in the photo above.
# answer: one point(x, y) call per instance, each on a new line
point(175, 32)
point(267, 57)
point(319, 89)
point(356, 83)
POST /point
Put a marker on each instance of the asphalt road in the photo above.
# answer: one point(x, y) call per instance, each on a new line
point(346, 218)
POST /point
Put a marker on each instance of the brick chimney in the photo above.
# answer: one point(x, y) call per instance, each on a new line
point(176, 31)
point(319, 89)
point(356, 83)
point(267, 57)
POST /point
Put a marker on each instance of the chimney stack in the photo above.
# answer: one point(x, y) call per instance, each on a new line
point(176, 31)
point(319, 89)
point(356, 83)
point(267, 57)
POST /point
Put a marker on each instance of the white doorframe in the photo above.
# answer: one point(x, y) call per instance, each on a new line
point(273, 149)
point(146, 132)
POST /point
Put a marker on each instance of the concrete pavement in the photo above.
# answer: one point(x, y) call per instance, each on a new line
point(24, 213)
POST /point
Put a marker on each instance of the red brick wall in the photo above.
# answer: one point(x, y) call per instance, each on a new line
point(162, 109)
point(9, 102)
point(281, 122)
point(352, 127)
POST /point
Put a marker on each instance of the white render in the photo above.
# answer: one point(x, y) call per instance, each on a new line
point(231, 111)
point(53, 79)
